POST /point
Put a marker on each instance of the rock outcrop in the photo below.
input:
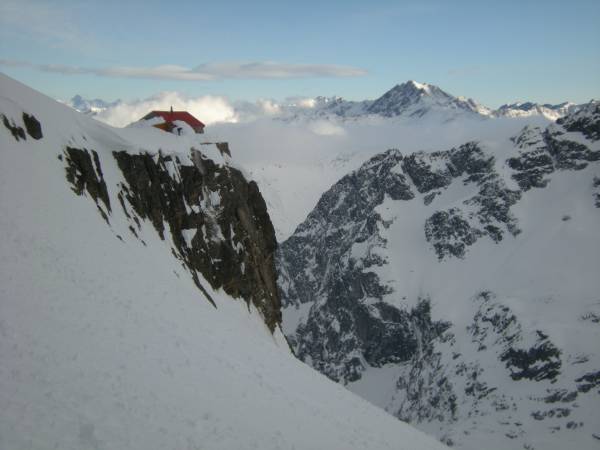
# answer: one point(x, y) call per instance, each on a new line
point(215, 220)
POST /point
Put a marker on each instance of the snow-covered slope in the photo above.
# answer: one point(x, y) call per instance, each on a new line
point(115, 245)
point(458, 289)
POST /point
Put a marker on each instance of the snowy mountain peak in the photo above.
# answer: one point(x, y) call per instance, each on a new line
point(412, 86)
point(423, 86)
point(413, 89)
point(415, 99)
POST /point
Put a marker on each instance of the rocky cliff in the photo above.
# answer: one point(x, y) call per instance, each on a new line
point(215, 221)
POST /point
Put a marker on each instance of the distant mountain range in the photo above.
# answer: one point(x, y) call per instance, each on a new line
point(526, 109)
point(415, 100)
point(91, 106)
point(407, 100)
point(410, 99)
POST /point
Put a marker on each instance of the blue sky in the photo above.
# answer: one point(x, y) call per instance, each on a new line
point(494, 52)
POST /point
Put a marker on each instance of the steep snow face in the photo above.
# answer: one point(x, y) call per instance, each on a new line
point(458, 289)
point(117, 330)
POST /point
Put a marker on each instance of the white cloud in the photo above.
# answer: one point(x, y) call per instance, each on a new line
point(209, 109)
point(269, 107)
point(326, 128)
point(306, 103)
point(203, 72)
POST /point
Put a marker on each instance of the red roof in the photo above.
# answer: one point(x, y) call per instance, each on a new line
point(169, 116)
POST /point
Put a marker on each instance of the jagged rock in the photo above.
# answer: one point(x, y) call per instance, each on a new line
point(351, 200)
point(418, 167)
point(568, 154)
point(494, 201)
point(585, 121)
point(542, 361)
point(449, 233)
point(217, 220)
point(470, 159)
point(232, 239)
point(588, 381)
point(561, 395)
point(86, 176)
point(543, 152)
point(556, 412)
point(17, 131)
point(495, 324)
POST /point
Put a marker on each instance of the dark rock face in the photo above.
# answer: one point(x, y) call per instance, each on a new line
point(561, 395)
point(85, 175)
point(16, 131)
point(427, 390)
point(569, 155)
point(543, 152)
point(33, 126)
point(449, 233)
point(380, 331)
point(588, 381)
point(418, 168)
point(532, 164)
point(324, 238)
point(376, 333)
point(217, 221)
point(233, 239)
point(494, 322)
point(542, 361)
